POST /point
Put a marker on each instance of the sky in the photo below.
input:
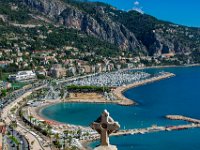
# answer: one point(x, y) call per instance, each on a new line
point(184, 12)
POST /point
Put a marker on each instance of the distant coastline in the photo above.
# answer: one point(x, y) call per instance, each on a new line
point(165, 66)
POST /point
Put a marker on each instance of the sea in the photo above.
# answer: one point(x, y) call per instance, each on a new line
point(179, 95)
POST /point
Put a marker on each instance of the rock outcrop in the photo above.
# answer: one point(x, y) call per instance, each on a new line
point(131, 30)
point(100, 26)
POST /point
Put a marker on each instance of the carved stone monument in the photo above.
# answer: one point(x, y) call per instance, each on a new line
point(105, 125)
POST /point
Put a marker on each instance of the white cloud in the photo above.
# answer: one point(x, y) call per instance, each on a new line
point(136, 3)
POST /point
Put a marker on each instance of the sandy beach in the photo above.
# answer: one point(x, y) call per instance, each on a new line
point(90, 98)
point(98, 98)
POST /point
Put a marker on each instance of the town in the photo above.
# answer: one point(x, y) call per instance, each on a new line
point(75, 72)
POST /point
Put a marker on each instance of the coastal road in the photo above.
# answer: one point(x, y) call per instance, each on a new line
point(34, 140)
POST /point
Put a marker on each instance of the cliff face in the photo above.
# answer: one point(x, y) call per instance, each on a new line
point(174, 40)
point(159, 36)
point(161, 44)
point(98, 25)
point(51, 8)
point(128, 30)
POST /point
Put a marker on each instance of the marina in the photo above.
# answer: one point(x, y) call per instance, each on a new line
point(112, 79)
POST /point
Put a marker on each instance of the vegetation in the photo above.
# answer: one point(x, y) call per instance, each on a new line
point(15, 13)
point(76, 88)
point(14, 139)
point(57, 39)
point(3, 93)
point(18, 85)
point(151, 33)
point(40, 76)
point(196, 56)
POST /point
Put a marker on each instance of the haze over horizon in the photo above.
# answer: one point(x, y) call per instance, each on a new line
point(177, 11)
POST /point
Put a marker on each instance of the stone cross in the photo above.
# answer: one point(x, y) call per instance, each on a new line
point(105, 125)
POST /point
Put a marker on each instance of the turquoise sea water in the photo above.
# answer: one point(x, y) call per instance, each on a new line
point(177, 95)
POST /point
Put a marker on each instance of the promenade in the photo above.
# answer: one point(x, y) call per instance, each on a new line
point(34, 140)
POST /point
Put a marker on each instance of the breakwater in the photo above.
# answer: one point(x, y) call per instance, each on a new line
point(195, 123)
point(183, 118)
point(118, 92)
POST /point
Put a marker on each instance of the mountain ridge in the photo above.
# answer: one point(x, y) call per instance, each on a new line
point(141, 34)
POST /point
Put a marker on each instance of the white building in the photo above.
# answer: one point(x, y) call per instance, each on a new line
point(23, 75)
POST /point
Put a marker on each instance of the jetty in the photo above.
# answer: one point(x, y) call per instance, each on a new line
point(148, 130)
point(155, 129)
point(183, 118)
point(194, 123)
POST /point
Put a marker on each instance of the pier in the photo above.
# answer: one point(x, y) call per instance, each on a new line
point(194, 123)
point(155, 129)
point(149, 130)
point(183, 118)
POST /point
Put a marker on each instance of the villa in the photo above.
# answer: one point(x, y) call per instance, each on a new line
point(58, 71)
point(23, 75)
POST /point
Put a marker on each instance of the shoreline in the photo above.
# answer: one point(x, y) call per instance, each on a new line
point(121, 91)
point(165, 66)
point(118, 92)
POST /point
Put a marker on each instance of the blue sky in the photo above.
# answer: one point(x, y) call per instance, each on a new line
point(185, 12)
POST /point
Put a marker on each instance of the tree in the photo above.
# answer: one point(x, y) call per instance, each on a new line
point(30, 118)
point(79, 132)
point(34, 121)
point(57, 140)
point(3, 92)
point(13, 125)
point(1, 74)
point(49, 129)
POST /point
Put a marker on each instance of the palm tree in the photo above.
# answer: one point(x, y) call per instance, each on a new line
point(66, 133)
point(13, 125)
point(70, 140)
point(30, 118)
point(57, 138)
point(49, 129)
point(51, 136)
point(79, 132)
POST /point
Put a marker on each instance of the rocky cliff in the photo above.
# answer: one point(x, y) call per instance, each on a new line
point(138, 33)
point(98, 24)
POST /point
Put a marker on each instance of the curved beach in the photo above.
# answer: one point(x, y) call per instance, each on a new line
point(118, 92)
